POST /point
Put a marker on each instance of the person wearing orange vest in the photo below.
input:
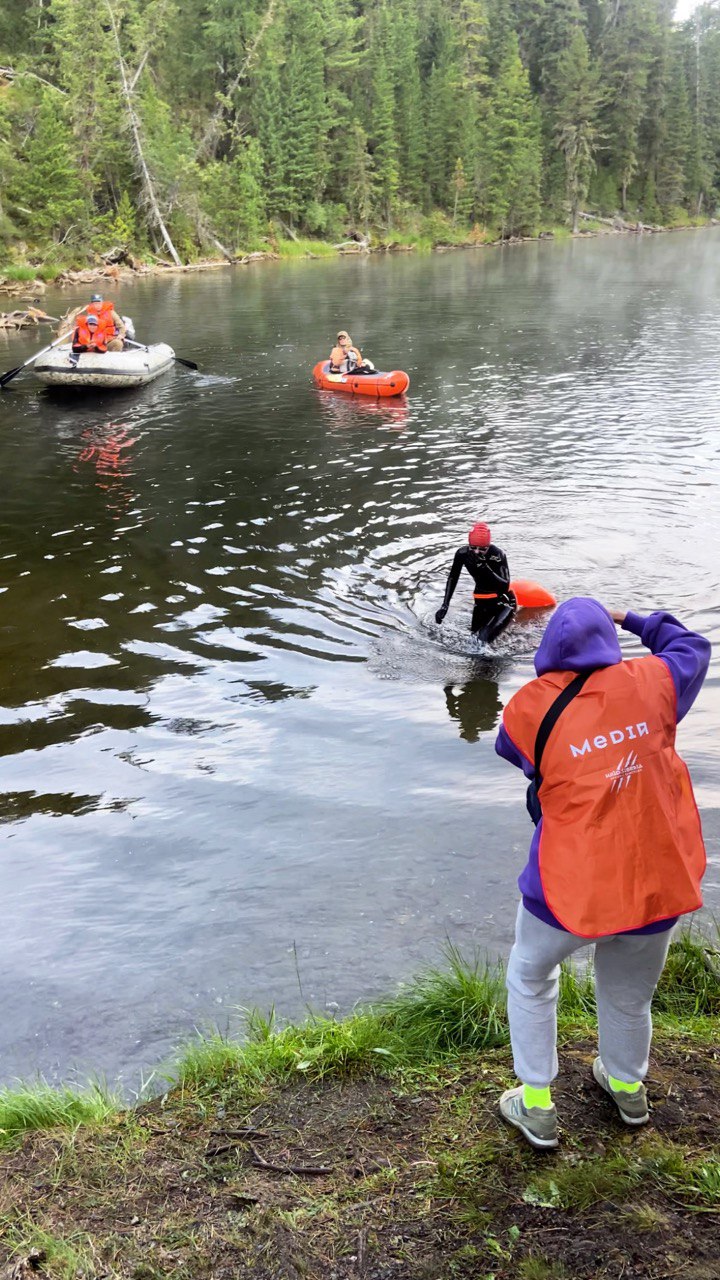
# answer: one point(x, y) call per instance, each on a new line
point(93, 333)
point(617, 855)
point(113, 324)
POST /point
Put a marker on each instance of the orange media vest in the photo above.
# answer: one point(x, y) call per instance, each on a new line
point(621, 844)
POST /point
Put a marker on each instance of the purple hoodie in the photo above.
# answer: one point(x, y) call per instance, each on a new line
point(581, 636)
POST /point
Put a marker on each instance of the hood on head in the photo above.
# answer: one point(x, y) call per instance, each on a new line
point(580, 636)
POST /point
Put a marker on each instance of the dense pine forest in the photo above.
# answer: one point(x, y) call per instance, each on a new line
point(181, 128)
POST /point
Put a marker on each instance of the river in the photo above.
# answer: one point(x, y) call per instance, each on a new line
point(241, 765)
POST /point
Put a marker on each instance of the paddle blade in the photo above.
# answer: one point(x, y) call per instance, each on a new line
point(189, 364)
point(530, 595)
point(10, 374)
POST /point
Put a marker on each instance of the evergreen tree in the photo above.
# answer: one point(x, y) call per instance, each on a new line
point(383, 144)
point(512, 160)
point(312, 111)
point(269, 122)
point(409, 114)
point(49, 192)
point(358, 176)
point(304, 117)
point(233, 197)
point(577, 99)
point(670, 181)
point(626, 58)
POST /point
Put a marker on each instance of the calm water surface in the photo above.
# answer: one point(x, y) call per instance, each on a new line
point(241, 764)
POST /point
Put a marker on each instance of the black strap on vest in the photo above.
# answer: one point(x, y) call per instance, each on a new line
point(547, 724)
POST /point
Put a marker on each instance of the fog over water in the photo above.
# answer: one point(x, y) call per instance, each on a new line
point(236, 747)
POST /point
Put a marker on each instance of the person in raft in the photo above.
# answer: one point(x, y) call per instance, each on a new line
point(487, 565)
point(109, 324)
point(617, 855)
point(345, 358)
point(93, 333)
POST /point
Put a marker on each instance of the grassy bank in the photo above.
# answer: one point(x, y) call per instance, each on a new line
point(433, 235)
point(371, 1147)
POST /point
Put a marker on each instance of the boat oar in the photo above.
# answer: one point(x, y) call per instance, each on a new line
point(189, 364)
point(12, 373)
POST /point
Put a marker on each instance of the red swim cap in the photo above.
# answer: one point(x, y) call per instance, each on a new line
point(479, 536)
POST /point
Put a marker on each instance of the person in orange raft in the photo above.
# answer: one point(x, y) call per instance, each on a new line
point(617, 855)
point(345, 358)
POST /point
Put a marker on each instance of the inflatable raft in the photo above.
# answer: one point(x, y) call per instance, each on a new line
point(361, 384)
point(129, 368)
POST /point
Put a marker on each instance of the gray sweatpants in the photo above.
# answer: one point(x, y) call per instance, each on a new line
point(627, 970)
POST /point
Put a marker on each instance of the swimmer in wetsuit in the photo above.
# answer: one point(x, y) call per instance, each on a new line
point(487, 565)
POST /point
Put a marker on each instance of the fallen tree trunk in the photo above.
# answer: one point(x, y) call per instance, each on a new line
point(23, 319)
point(354, 246)
point(617, 223)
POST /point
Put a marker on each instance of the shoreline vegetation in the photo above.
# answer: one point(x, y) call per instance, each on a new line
point(184, 132)
point(371, 1147)
point(120, 266)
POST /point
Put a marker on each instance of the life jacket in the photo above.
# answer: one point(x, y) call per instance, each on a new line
point(99, 309)
point(96, 338)
point(104, 312)
point(621, 844)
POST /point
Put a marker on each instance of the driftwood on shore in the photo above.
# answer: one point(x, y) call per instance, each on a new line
point(619, 224)
point(24, 319)
point(359, 244)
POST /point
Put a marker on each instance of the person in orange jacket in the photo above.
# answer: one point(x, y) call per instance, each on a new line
point(617, 855)
point(113, 324)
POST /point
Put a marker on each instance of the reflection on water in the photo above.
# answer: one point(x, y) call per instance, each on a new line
point(108, 448)
point(231, 731)
point(475, 705)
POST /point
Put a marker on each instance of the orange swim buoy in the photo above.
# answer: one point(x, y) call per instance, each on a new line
point(530, 595)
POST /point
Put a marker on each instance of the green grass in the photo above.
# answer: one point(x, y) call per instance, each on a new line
point(538, 1268)
point(444, 1013)
point(579, 1186)
point(61, 1259)
point(300, 248)
point(40, 1106)
point(448, 1011)
point(18, 274)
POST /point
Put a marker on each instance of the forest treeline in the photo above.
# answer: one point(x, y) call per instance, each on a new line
point(180, 127)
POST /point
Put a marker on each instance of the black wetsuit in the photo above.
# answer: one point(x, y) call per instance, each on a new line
point(488, 568)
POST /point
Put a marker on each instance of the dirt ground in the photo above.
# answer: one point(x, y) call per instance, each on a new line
point(378, 1178)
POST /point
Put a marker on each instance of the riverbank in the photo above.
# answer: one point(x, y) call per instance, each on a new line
point(21, 279)
point(371, 1147)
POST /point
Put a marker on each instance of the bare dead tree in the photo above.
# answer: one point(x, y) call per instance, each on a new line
point(135, 130)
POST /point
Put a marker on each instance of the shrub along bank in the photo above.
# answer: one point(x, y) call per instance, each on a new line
point(371, 1147)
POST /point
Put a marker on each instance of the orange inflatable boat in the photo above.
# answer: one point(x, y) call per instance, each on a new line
point(361, 384)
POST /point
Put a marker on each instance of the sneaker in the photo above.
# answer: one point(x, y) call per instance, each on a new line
point(536, 1124)
point(633, 1107)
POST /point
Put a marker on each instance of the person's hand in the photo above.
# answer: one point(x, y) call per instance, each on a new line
point(618, 615)
point(441, 613)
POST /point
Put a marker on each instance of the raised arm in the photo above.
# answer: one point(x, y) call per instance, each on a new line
point(685, 653)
